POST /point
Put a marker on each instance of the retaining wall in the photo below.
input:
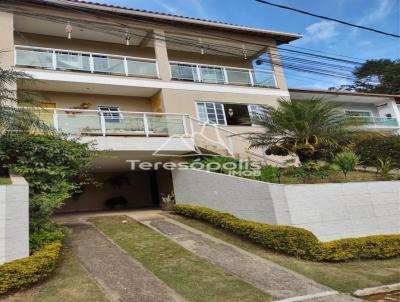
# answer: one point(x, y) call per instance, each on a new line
point(330, 211)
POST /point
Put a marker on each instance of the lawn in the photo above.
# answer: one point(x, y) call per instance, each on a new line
point(192, 277)
point(69, 283)
point(345, 277)
point(5, 180)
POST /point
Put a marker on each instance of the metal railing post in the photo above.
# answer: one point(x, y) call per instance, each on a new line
point(191, 127)
point(55, 120)
point(103, 124)
point(251, 73)
point(198, 71)
point(126, 66)
point(184, 125)
point(54, 59)
point(91, 63)
point(226, 80)
point(146, 124)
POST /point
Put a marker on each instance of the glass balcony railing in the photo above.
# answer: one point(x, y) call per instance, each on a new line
point(377, 122)
point(56, 59)
point(120, 123)
point(222, 75)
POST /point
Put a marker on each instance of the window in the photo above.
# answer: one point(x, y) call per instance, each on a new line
point(210, 112)
point(111, 113)
point(358, 113)
point(257, 113)
point(229, 114)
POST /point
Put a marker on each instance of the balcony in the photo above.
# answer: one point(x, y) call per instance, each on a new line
point(68, 60)
point(79, 122)
point(377, 122)
point(222, 75)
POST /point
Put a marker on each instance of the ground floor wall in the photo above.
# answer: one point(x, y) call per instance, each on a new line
point(330, 211)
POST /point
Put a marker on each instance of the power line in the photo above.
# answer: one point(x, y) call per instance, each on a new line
point(329, 18)
point(294, 64)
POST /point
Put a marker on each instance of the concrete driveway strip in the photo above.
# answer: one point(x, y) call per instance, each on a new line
point(265, 275)
point(122, 277)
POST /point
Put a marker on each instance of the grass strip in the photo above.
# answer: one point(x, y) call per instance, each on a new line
point(192, 277)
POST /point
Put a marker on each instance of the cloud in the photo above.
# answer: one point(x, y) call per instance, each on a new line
point(167, 7)
point(384, 9)
point(323, 31)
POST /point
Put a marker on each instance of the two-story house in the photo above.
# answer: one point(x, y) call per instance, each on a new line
point(142, 85)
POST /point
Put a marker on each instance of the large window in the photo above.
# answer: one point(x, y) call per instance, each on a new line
point(212, 113)
point(230, 114)
point(111, 113)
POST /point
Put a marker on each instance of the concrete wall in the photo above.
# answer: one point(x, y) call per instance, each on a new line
point(14, 220)
point(330, 211)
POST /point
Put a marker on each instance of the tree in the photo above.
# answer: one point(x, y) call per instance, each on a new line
point(378, 76)
point(346, 161)
point(371, 149)
point(312, 129)
point(13, 118)
point(54, 166)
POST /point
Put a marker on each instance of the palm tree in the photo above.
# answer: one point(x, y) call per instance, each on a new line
point(311, 129)
point(13, 118)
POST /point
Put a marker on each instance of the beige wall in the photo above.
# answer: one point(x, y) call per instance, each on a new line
point(137, 191)
point(70, 100)
point(6, 40)
point(183, 101)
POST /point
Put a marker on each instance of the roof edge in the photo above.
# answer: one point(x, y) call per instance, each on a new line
point(285, 37)
point(317, 91)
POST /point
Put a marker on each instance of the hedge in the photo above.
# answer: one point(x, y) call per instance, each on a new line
point(297, 241)
point(23, 272)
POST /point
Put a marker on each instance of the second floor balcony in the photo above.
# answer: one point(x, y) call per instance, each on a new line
point(222, 75)
point(107, 64)
point(67, 60)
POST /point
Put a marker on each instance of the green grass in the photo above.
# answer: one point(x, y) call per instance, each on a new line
point(192, 277)
point(5, 180)
point(69, 283)
point(345, 277)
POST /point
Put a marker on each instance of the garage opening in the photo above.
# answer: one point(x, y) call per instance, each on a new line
point(121, 190)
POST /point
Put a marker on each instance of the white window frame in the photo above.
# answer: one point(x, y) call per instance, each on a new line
point(355, 110)
point(256, 114)
point(215, 112)
point(113, 115)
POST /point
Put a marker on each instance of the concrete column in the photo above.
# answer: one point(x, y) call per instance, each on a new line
point(6, 40)
point(14, 220)
point(278, 70)
point(160, 48)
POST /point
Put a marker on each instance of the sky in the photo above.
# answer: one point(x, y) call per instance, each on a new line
point(320, 35)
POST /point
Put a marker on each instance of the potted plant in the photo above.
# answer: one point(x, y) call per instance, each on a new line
point(168, 201)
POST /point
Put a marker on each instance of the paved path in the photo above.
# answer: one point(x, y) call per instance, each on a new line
point(268, 276)
point(123, 278)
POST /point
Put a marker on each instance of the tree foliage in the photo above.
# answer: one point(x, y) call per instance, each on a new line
point(347, 161)
point(54, 166)
point(378, 76)
point(312, 129)
point(13, 118)
point(372, 149)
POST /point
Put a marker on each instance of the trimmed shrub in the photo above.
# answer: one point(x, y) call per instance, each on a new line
point(38, 239)
point(23, 272)
point(297, 241)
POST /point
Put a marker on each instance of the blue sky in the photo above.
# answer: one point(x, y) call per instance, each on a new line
point(318, 34)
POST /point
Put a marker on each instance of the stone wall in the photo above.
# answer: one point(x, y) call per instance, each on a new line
point(14, 220)
point(330, 211)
